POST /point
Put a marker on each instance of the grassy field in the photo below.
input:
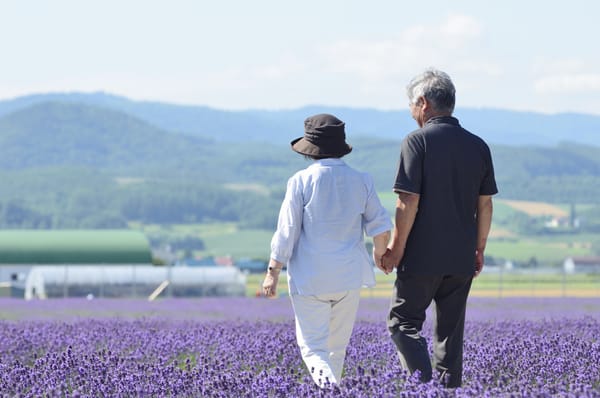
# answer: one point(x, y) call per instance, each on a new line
point(222, 239)
point(544, 251)
point(488, 284)
point(505, 243)
point(550, 250)
point(537, 208)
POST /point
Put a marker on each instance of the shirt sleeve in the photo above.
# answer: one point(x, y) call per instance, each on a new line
point(410, 167)
point(375, 218)
point(289, 223)
point(488, 183)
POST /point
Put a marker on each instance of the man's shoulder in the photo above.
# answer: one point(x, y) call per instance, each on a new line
point(447, 127)
point(475, 138)
point(415, 135)
point(429, 129)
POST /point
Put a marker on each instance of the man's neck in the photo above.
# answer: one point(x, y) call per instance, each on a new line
point(435, 114)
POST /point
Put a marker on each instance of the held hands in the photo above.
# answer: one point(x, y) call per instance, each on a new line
point(378, 260)
point(387, 261)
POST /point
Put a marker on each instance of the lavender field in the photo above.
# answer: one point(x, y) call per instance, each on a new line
point(245, 347)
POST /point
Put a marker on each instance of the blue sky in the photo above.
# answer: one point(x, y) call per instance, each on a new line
point(271, 54)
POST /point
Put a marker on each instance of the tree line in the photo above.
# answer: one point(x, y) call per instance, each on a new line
point(147, 203)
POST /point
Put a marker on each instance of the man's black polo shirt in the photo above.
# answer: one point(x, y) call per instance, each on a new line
point(449, 167)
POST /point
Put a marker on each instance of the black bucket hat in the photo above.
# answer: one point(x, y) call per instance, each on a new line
point(324, 136)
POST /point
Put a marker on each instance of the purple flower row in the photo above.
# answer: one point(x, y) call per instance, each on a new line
point(91, 353)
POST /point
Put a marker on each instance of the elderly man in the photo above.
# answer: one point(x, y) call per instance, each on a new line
point(445, 183)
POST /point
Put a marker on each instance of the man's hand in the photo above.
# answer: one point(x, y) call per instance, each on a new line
point(380, 243)
point(392, 258)
point(485, 209)
point(478, 261)
point(378, 259)
point(407, 207)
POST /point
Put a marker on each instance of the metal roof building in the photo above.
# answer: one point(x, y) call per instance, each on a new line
point(100, 263)
point(133, 280)
point(74, 247)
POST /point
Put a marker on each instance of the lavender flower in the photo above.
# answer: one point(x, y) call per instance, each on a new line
point(246, 347)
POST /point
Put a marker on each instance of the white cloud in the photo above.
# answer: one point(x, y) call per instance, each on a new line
point(461, 27)
point(566, 76)
point(456, 30)
point(545, 66)
point(285, 66)
point(358, 72)
point(451, 44)
point(568, 83)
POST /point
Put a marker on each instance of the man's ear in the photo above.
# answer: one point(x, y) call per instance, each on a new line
point(424, 103)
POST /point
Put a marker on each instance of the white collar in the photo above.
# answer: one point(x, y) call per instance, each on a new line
point(329, 162)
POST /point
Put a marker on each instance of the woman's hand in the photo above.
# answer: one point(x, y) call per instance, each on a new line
point(270, 283)
point(378, 259)
point(269, 286)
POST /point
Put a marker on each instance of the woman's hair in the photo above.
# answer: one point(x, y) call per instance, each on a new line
point(434, 85)
point(316, 157)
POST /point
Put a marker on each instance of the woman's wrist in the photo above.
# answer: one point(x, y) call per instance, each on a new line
point(274, 267)
point(273, 270)
point(380, 254)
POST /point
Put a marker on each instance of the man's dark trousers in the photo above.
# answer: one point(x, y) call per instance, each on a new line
point(413, 293)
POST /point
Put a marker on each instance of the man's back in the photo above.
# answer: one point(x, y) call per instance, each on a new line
point(449, 169)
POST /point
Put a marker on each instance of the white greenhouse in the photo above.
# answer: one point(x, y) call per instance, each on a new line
point(132, 280)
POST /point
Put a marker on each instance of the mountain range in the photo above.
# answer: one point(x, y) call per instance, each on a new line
point(96, 160)
point(496, 126)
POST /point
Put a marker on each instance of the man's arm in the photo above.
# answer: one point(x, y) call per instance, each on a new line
point(485, 209)
point(407, 206)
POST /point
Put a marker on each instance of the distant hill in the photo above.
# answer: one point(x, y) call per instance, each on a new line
point(55, 133)
point(69, 164)
point(67, 134)
point(496, 126)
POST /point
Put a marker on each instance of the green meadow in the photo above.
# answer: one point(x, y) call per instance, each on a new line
point(220, 239)
point(505, 242)
point(533, 252)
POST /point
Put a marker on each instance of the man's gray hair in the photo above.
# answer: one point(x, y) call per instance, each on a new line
point(434, 85)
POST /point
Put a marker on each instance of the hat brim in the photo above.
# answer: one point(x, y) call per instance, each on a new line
point(305, 147)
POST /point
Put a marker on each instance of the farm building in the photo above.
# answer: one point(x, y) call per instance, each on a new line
point(73, 246)
point(590, 265)
point(107, 263)
point(20, 250)
point(132, 280)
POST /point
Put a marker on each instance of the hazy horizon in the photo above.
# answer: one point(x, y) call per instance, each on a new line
point(522, 56)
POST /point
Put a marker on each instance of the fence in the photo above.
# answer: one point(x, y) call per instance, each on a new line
point(493, 282)
point(542, 282)
point(501, 282)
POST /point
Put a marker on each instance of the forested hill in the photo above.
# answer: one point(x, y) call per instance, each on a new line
point(67, 164)
point(61, 134)
point(501, 127)
point(57, 134)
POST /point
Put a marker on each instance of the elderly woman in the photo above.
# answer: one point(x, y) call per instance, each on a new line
point(327, 210)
